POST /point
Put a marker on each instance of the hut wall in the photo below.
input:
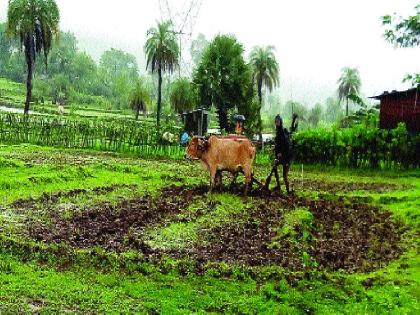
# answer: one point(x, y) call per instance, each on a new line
point(401, 107)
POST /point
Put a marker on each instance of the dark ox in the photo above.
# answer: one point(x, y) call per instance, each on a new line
point(233, 154)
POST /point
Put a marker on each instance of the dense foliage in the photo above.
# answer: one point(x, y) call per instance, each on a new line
point(139, 99)
point(182, 95)
point(359, 147)
point(224, 80)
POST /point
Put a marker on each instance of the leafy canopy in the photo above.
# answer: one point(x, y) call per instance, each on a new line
point(224, 79)
point(35, 23)
point(265, 69)
point(349, 83)
point(139, 98)
point(161, 48)
point(404, 32)
point(182, 95)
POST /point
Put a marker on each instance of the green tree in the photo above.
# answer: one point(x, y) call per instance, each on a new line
point(60, 87)
point(115, 62)
point(61, 57)
point(349, 83)
point(162, 54)
point(35, 22)
point(85, 70)
point(7, 46)
point(119, 72)
point(182, 95)
point(404, 32)
point(139, 98)
point(224, 80)
point(265, 72)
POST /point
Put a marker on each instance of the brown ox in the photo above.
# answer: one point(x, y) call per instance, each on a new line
point(233, 153)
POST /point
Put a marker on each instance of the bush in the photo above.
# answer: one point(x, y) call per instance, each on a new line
point(358, 146)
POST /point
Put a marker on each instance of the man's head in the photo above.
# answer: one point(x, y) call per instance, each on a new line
point(195, 148)
point(278, 121)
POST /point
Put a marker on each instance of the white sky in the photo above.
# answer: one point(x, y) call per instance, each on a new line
point(314, 38)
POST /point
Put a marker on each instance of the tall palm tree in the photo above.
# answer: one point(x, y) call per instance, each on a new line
point(349, 83)
point(162, 54)
point(265, 69)
point(35, 23)
point(139, 99)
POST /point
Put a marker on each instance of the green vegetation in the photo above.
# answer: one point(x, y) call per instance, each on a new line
point(139, 99)
point(265, 73)
point(49, 277)
point(182, 97)
point(404, 32)
point(101, 213)
point(35, 23)
point(348, 84)
point(225, 80)
point(162, 54)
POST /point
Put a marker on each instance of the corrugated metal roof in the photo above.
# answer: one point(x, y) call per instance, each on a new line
point(394, 92)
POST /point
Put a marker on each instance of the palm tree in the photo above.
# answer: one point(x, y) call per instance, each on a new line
point(265, 71)
point(35, 22)
point(182, 95)
point(348, 84)
point(139, 99)
point(162, 53)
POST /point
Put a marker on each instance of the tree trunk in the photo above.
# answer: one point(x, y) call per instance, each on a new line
point(347, 106)
point(137, 113)
point(223, 119)
point(159, 101)
point(28, 85)
point(259, 111)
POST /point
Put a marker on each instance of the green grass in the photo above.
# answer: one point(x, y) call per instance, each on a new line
point(41, 278)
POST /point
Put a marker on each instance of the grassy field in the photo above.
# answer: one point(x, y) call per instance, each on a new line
point(90, 232)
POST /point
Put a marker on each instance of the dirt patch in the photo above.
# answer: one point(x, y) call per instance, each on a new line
point(337, 186)
point(117, 227)
point(343, 235)
point(45, 199)
point(352, 236)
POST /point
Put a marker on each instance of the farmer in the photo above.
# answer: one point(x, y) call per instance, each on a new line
point(283, 151)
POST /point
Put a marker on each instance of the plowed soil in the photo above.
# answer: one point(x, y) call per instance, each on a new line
point(343, 235)
point(337, 186)
point(352, 237)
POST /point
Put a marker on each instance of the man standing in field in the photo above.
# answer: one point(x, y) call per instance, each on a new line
point(283, 151)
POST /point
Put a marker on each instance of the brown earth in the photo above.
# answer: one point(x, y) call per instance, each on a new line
point(52, 198)
point(353, 237)
point(339, 186)
point(343, 235)
point(114, 227)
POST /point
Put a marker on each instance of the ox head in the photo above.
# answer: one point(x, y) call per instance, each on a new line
point(195, 148)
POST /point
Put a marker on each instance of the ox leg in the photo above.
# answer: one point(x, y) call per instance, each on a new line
point(234, 177)
point(213, 174)
point(248, 180)
point(218, 180)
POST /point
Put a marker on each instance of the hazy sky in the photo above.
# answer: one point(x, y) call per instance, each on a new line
point(314, 38)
